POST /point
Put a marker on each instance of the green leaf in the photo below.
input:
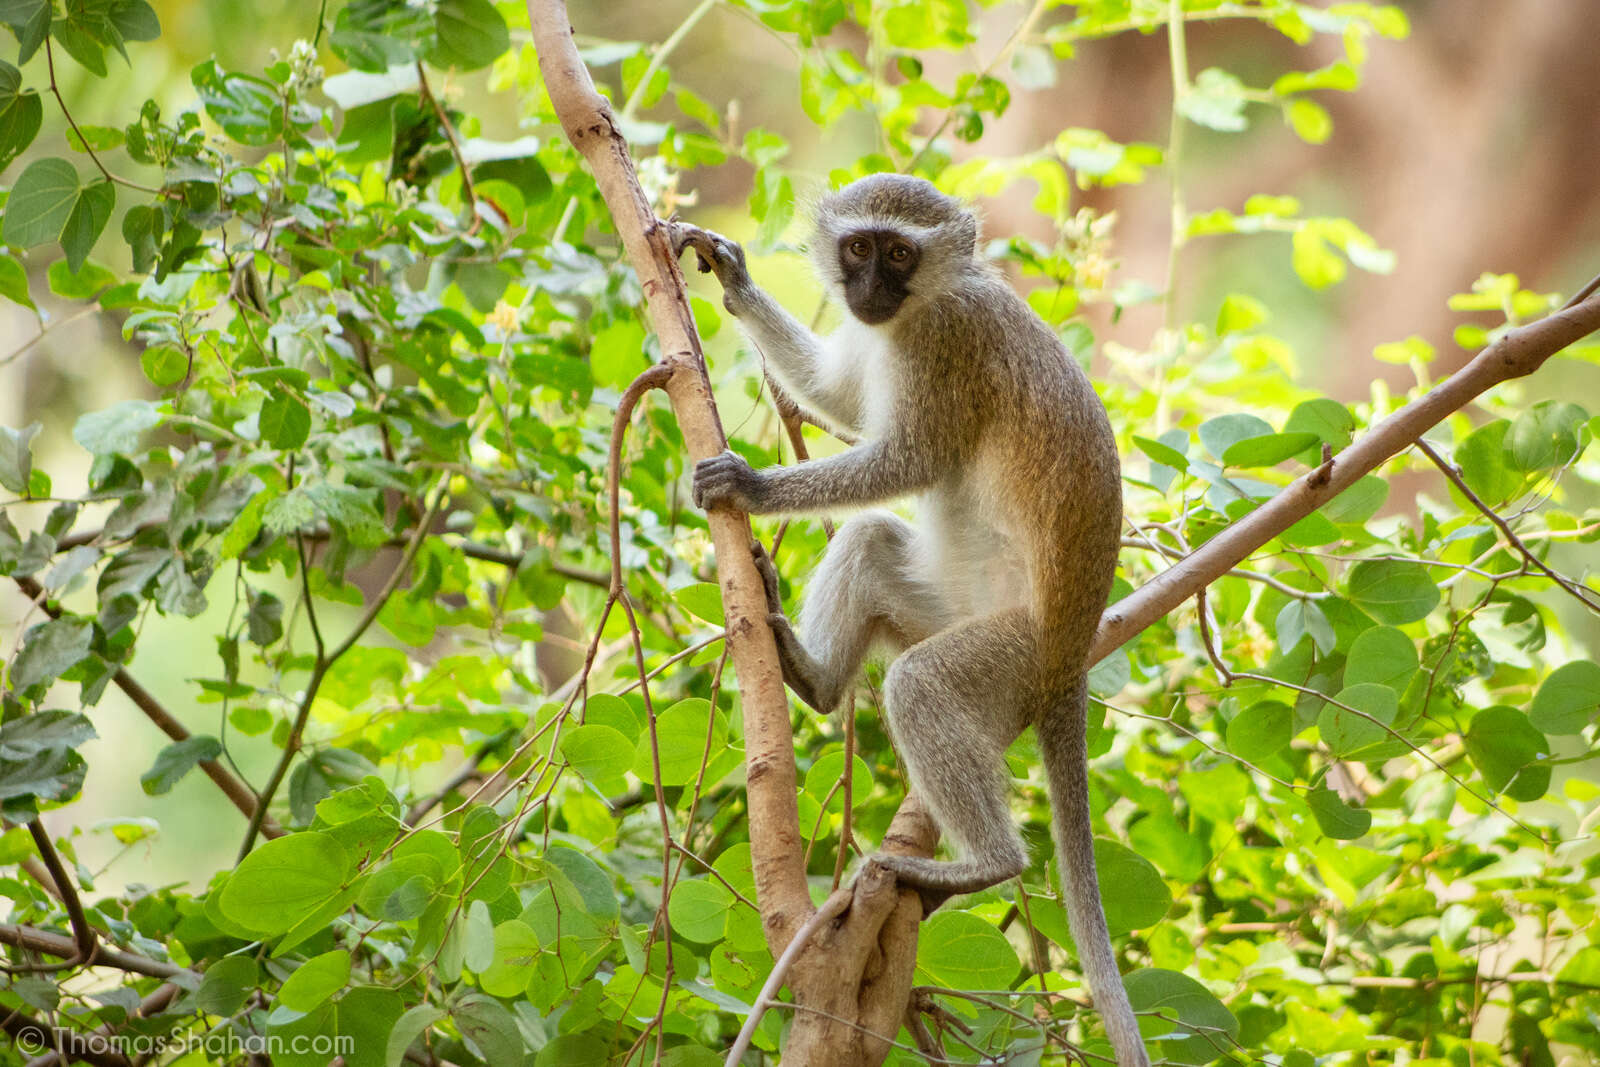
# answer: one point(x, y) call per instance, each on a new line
point(1345, 732)
point(1179, 1003)
point(367, 1016)
point(228, 982)
point(1267, 450)
point(407, 1029)
point(285, 422)
point(14, 282)
point(83, 283)
point(1546, 435)
point(1329, 420)
point(1338, 819)
point(1568, 700)
point(16, 456)
point(514, 948)
point(1263, 729)
point(600, 753)
point(1483, 457)
point(698, 909)
point(41, 201)
point(1140, 898)
point(1358, 503)
point(1162, 453)
point(117, 429)
point(617, 354)
point(1216, 100)
point(1309, 120)
point(1301, 617)
point(703, 600)
point(1382, 655)
point(20, 115)
point(315, 980)
point(681, 737)
point(284, 881)
point(177, 760)
point(1393, 591)
point(31, 21)
point(960, 950)
point(1507, 750)
point(49, 650)
point(489, 1026)
point(86, 220)
point(471, 34)
point(1220, 433)
point(246, 107)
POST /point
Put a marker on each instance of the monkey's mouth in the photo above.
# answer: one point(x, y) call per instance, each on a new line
point(876, 309)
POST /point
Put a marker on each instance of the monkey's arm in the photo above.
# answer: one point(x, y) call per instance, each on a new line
point(797, 356)
point(870, 473)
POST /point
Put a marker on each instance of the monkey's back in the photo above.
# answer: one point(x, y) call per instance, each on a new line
point(1044, 474)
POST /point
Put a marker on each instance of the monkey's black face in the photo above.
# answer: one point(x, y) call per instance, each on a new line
point(877, 267)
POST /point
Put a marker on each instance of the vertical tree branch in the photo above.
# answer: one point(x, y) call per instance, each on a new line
point(774, 818)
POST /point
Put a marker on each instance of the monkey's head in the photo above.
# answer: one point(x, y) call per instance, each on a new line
point(888, 238)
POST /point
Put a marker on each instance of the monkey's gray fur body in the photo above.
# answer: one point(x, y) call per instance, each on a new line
point(965, 399)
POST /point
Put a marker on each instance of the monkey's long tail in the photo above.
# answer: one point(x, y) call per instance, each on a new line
point(1062, 740)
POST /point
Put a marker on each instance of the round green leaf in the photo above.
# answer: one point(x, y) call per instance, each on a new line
point(1359, 502)
point(315, 980)
point(1345, 731)
point(1337, 818)
point(285, 422)
point(702, 600)
point(366, 1017)
point(603, 709)
point(164, 365)
point(600, 753)
point(1222, 432)
point(1186, 1006)
point(1568, 700)
point(1482, 458)
point(960, 950)
point(40, 202)
point(699, 909)
point(471, 34)
point(515, 948)
point(1382, 655)
point(681, 736)
point(226, 985)
point(1506, 749)
point(1261, 730)
point(1133, 893)
point(1393, 591)
point(284, 881)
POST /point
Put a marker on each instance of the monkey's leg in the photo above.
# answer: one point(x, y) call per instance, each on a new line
point(954, 703)
point(866, 591)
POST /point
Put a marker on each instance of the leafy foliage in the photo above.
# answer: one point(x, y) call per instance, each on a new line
point(1336, 800)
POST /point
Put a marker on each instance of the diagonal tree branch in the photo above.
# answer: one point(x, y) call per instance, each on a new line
point(1519, 352)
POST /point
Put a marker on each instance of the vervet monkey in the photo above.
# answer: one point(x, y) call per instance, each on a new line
point(963, 397)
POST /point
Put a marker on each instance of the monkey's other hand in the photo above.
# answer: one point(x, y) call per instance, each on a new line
point(716, 254)
point(726, 481)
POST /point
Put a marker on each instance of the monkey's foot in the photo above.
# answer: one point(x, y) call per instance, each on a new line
point(769, 577)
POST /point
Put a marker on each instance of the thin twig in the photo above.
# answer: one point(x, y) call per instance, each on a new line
point(1582, 595)
point(467, 192)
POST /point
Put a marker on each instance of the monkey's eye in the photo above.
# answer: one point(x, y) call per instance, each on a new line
point(899, 253)
point(860, 248)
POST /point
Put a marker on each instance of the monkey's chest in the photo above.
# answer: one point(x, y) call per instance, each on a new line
point(970, 556)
